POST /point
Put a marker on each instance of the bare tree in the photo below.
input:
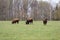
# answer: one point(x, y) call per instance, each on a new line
point(57, 13)
point(45, 9)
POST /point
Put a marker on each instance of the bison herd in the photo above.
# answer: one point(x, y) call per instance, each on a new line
point(28, 21)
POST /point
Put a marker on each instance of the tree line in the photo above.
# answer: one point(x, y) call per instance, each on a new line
point(22, 9)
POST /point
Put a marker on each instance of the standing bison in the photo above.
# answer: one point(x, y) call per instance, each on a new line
point(29, 21)
point(45, 21)
point(15, 20)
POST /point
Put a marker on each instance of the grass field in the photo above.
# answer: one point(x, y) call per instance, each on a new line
point(35, 31)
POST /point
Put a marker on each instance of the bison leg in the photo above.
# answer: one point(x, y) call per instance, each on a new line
point(27, 22)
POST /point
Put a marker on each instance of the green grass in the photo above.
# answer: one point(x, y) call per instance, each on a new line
point(35, 31)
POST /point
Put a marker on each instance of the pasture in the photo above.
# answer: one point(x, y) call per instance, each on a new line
point(35, 31)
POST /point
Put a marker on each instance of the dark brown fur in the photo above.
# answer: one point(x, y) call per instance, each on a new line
point(45, 21)
point(30, 20)
point(16, 20)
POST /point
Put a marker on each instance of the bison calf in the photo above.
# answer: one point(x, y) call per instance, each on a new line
point(16, 20)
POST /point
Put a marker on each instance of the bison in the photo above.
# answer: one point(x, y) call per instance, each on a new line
point(15, 20)
point(45, 21)
point(29, 21)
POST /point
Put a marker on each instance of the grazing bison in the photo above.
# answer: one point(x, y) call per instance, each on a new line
point(45, 21)
point(29, 20)
point(16, 20)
